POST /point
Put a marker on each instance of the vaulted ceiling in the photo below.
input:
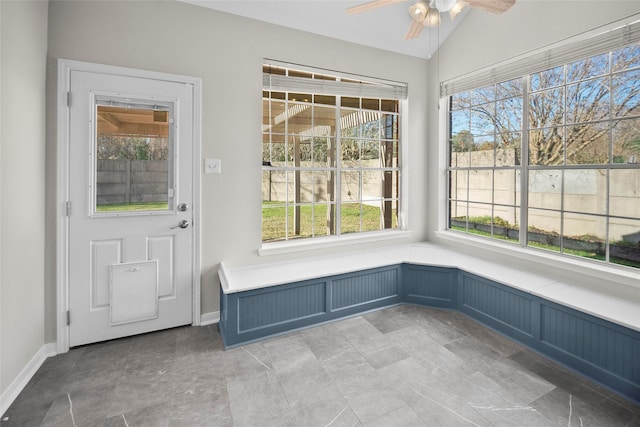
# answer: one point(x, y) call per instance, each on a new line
point(383, 28)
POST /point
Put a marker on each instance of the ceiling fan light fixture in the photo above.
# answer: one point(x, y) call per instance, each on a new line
point(426, 13)
point(457, 8)
point(432, 19)
point(418, 11)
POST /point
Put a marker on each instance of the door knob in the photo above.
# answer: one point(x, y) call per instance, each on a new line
point(182, 224)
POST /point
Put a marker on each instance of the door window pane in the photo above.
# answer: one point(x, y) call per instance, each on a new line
point(480, 185)
point(459, 185)
point(623, 194)
point(626, 141)
point(588, 144)
point(132, 150)
point(584, 235)
point(546, 79)
point(544, 229)
point(546, 147)
point(624, 242)
point(506, 187)
point(585, 190)
point(625, 93)
point(545, 189)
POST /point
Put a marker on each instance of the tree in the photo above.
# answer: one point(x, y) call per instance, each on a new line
point(110, 147)
point(569, 111)
point(462, 142)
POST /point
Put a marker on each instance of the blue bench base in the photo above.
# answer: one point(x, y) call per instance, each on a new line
point(601, 350)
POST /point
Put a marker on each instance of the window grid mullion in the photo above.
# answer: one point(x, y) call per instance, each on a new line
point(313, 181)
point(563, 166)
point(449, 169)
point(468, 177)
point(524, 164)
point(338, 168)
point(493, 173)
point(608, 172)
point(286, 164)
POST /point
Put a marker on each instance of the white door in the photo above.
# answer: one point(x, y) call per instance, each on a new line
point(130, 205)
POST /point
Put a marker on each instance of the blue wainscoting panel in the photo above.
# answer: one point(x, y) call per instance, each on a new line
point(602, 350)
point(431, 286)
point(368, 288)
point(286, 304)
point(501, 307)
point(261, 313)
point(257, 314)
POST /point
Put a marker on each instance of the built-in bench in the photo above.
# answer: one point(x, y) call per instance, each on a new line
point(592, 332)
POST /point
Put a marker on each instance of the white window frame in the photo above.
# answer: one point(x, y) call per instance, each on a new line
point(576, 48)
point(402, 231)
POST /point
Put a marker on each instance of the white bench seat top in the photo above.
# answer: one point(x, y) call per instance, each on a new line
point(624, 311)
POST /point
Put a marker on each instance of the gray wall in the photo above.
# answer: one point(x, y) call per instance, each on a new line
point(226, 51)
point(22, 160)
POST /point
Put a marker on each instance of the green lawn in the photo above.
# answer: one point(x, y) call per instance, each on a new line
point(583, 254)
point(484, 233)
point(128, 207)
point(587, 254)
point(313, 220)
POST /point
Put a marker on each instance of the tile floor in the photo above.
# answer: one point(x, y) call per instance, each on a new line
point(402, 366)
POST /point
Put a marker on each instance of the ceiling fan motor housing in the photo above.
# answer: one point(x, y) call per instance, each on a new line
point(444, 5)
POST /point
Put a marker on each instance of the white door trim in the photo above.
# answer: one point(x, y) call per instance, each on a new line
point(65, 67)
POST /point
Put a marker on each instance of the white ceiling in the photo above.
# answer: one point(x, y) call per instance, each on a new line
point(383, 28)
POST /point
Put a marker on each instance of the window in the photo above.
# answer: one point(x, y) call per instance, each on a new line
point(550, 159)
point(485, 159)
point(132, 165)
point(330, 154)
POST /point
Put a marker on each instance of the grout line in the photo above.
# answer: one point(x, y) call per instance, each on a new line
point(336, 417)
point(570, 411)
point(73, 420)
point(255, 357)
point(439, 404)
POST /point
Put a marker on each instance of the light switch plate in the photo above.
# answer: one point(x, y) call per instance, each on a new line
point(212, 166)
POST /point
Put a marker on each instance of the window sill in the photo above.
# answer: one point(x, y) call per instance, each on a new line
point(291, 246)
point(621, 276)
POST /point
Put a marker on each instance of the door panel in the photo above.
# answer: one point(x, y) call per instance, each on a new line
point(130, 167)
point(103, 254)
point(162, 249)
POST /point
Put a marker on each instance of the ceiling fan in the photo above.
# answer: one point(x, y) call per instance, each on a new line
point(427, 13)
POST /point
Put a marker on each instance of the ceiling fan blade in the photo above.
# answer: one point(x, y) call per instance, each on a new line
point(494, 6)
point(370, 6)
point(414, 30)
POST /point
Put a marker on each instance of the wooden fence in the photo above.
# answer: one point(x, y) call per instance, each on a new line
point(130, 181)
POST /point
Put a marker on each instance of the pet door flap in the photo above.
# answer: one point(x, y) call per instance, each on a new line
point(134, 291)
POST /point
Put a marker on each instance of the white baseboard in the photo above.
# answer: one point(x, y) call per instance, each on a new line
point(23, 378)
point(51, 349)
point(210, 318)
